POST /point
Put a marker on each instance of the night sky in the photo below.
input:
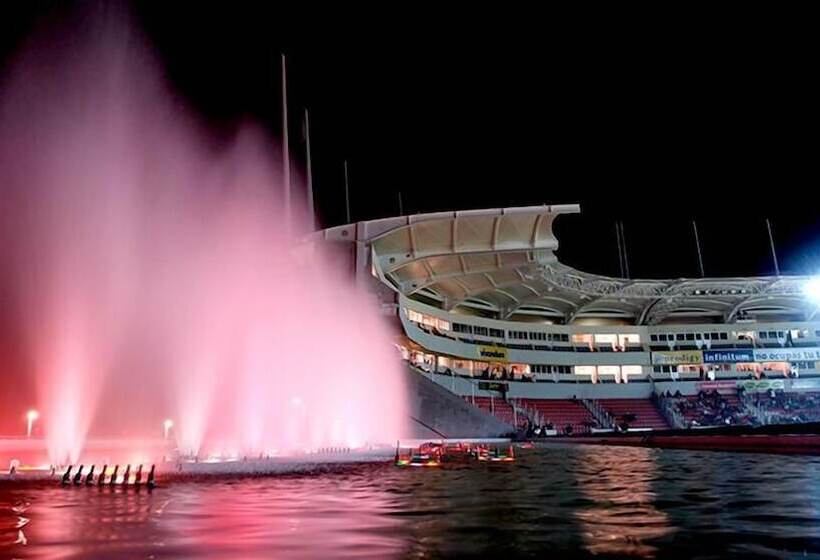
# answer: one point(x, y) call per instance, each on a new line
point(652, 124)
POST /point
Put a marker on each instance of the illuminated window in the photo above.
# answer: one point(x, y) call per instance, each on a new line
point(630, 371)
point(582, 339)
point(614, 371)
point(587, 371)
point(629, 338)
point(606, 339)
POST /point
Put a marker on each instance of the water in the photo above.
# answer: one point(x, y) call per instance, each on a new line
point(559, 501)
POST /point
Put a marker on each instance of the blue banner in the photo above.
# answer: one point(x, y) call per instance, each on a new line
point(728, 356)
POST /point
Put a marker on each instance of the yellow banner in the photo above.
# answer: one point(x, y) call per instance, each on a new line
point(493, 353)
point(677, 357)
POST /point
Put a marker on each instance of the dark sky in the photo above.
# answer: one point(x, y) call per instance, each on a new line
point(653, 119)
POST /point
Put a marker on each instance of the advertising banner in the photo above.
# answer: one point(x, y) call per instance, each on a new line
point(728, 356)
point(677, 357)
point(493, 353)
point(492, 386)
point(761, 385)
point(717, 385)
point(787, 354)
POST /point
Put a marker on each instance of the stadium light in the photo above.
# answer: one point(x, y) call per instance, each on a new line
point(166, 426)
point(31, 416)
point(811, 290)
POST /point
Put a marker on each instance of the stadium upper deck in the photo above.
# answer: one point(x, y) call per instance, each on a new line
point(501, 263)
point(482, 288)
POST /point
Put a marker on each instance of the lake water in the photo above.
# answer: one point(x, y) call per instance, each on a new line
point(560, 501)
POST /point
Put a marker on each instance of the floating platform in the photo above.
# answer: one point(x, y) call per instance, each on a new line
point(189, 469)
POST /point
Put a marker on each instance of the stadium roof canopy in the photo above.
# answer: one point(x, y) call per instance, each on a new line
point(503, 261)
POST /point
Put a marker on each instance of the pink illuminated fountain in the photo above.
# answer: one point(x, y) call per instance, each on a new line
point(152, 278)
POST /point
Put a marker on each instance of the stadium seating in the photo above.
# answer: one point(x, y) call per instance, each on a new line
point(497, 407)
point(561, 413)
point(712, 409)
point(646, 413)
point(786, 408)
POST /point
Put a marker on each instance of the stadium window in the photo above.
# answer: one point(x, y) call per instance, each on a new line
point(662, 337)
point(680, 336)
point(653, 338)
point(582, 338)
point(724, 336)
point(497, 333)
point(614, 371)
point(586, 371)
point(630, 371)
point(629, 338)
point(481, 331)
point(764, 334)
point(656, 369)
point(698, 336)
point(690, 336)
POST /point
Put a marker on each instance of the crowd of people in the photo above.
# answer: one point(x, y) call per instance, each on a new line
point(709, 408)
point(501, 374)
point(779, 407)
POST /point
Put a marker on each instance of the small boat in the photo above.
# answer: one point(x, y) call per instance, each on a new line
point(436, 454)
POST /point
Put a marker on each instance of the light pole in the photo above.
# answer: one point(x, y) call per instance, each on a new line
point(31, 416)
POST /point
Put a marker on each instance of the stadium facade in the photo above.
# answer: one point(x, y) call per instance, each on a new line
point(489, 312)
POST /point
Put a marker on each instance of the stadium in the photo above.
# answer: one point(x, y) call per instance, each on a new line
point(490, 314)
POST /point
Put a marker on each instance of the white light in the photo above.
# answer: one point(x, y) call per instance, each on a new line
point(296, 401)
point(167, 425)
point(811, 290)
point(31, 416)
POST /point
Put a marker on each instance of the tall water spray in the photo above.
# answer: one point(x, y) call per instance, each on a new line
point(151, 276)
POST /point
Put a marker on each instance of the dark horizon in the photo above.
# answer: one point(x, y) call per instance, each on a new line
point(652, 128)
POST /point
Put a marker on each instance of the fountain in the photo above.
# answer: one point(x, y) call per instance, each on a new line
point(151, 275)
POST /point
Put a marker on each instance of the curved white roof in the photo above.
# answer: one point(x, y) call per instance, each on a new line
point(503, 260)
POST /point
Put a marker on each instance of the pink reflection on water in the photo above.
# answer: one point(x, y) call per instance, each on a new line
point(338, 516)
point(153, 278)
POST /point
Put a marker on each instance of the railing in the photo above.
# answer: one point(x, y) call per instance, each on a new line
point(667, 408)
point(598, 412)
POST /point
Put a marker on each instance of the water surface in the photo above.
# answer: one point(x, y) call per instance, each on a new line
point(560, 501)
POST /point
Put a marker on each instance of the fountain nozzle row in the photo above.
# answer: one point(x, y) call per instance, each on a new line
point(78, 480)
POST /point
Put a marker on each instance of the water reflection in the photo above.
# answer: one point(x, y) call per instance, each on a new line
point(563, 501)
point(621, 517)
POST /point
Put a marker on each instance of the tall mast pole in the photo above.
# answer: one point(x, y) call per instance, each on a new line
point(697, 243)
point(771, 244)
point(285, 147)
point(347, 194)
point(311, 210)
